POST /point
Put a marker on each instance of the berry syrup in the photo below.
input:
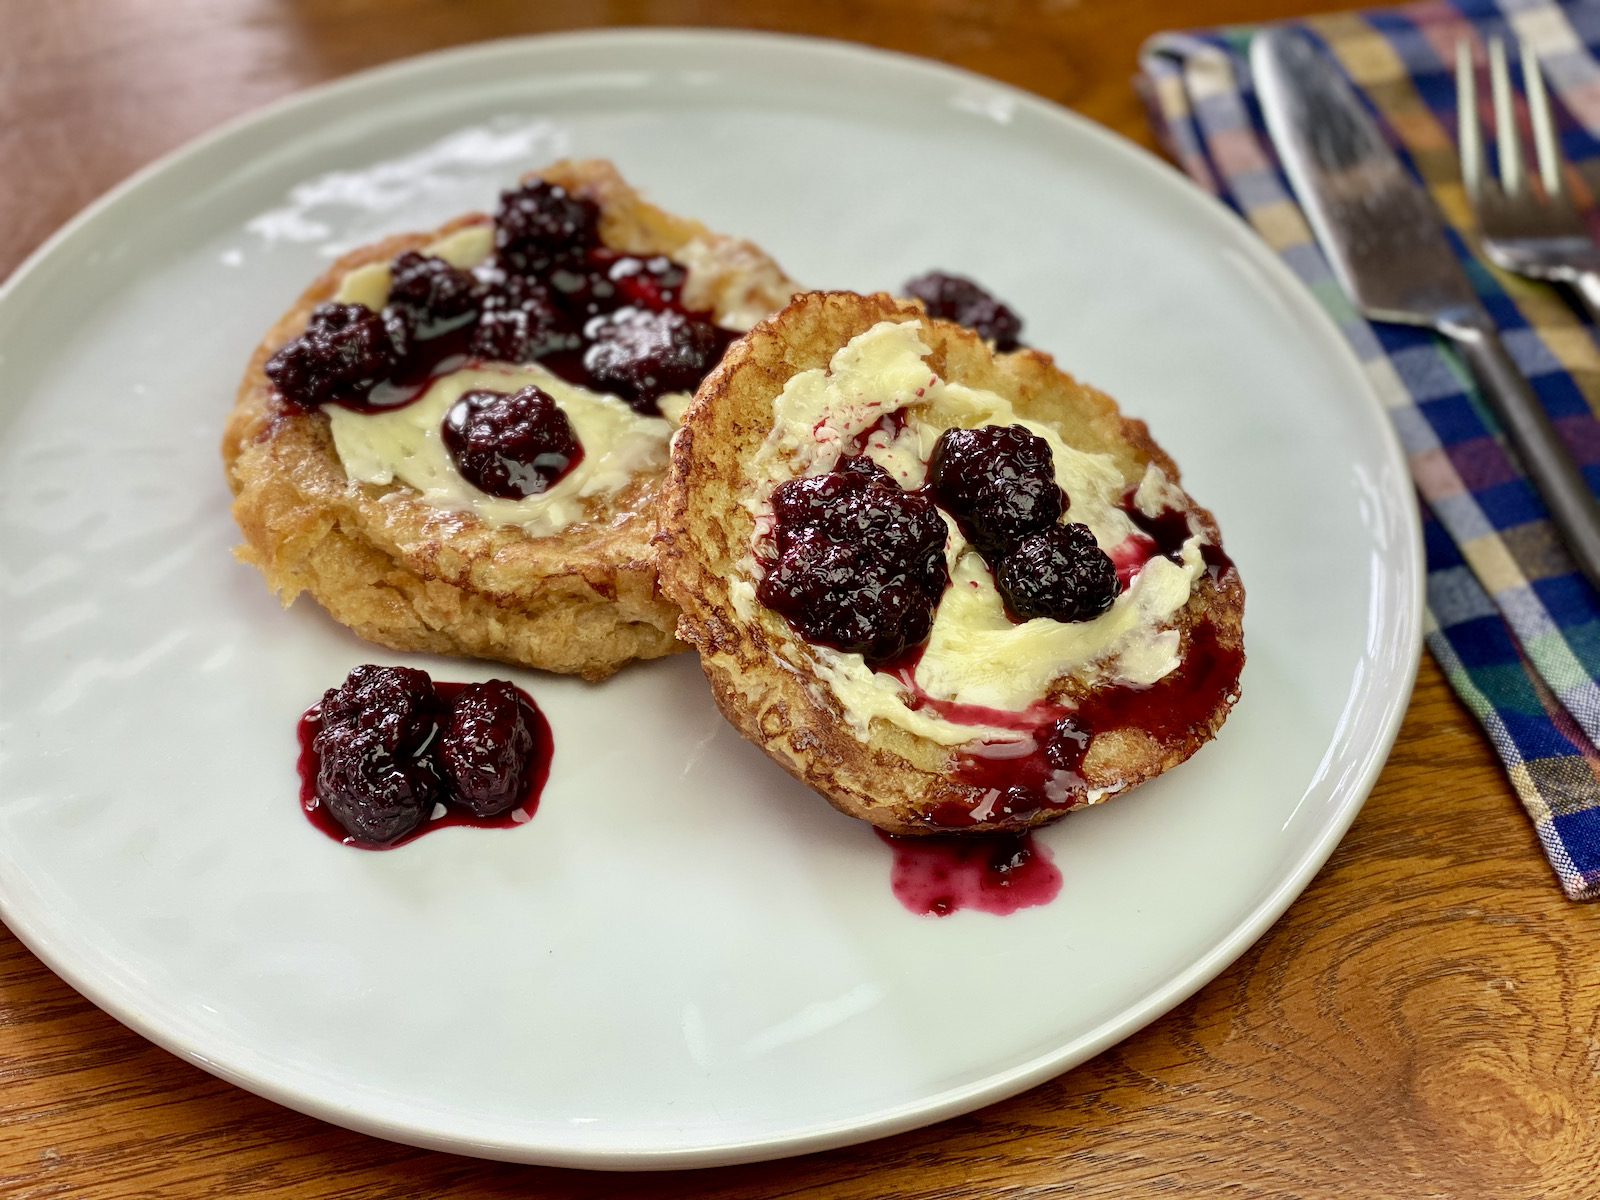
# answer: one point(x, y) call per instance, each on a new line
point(1041, 773)
point(889, 427)
point(1018, 779)
point(937, 876)
point(537, 775)
point(1163, 535)
point(429, 360)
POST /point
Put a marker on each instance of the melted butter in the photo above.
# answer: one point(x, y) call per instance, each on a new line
point(905, 456)
point(743, 594)
point(865, 695)
point(368, 285)
point(673, 406)
point(1156, 493)
point(874, 374)
point(975, 654)
point(404, 444)
point(466, 247)
point(880, 372)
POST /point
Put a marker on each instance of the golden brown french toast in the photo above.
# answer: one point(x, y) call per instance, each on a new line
point(366, 508)
point(949, 589)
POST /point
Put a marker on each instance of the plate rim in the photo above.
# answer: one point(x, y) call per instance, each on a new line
point(105, 993)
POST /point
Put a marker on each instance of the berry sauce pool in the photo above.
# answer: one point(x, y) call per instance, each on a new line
point(538, 774)
point(995, 873)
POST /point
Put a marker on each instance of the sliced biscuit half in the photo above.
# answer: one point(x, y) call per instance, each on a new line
point(416, 574)
point(955, 740)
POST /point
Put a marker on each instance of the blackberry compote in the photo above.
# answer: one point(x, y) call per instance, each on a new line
point(860, 562)
point(642, 355)
point(1059, 573)
point(539, 226)
point(520, 321)
point(551, 293)
point(655, 282)
point(998, 482)
point(512, 446)
point(953, 298)
point(375, 774)
point(487, 744)
point(431, 314)
point(389, 754)
point(346, 351)
point(584, 288)
point(436, 297)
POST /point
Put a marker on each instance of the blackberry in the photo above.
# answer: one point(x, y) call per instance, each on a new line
point(641, 355)
point(845, 597)
point(511, 446)
point(487, 747)
point(1060, 573)
point(860, 563)
point(401, 326)
point(520, 321)
point(859, 503)
point(606, 280)
point(539, 225)
point(437, 297)
point(346, 351)
point(953, 298)
point(375, 775)
point(584, 289)
point(655, 283)
point(998, 482)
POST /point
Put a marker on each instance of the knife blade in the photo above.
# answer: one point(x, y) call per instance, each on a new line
point(1386, 244)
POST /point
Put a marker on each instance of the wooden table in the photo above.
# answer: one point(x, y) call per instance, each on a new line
point(1424, 1021)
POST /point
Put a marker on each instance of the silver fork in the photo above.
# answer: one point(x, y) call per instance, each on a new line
point(1526, 230)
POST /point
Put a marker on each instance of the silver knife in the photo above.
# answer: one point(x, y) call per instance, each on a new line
point(1385, 241)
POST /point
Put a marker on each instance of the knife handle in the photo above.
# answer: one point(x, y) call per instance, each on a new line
point(1587, 285)
point(1549, 465)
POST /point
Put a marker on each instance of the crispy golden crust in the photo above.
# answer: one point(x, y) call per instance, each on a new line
point(411, 577)
point(761, 674)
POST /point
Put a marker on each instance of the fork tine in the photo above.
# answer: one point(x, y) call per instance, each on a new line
point(1469, 133)
point(1545, 144)
point(1507, 139)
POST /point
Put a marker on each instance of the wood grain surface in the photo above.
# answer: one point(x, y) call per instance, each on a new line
point(1423, 1022)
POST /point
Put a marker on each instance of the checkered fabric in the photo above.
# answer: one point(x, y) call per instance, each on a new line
point(1513, 624)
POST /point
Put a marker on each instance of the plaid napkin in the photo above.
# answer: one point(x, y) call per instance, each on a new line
point(1510, 620)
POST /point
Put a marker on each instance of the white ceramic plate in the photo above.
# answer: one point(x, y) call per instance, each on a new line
point(685, 958)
